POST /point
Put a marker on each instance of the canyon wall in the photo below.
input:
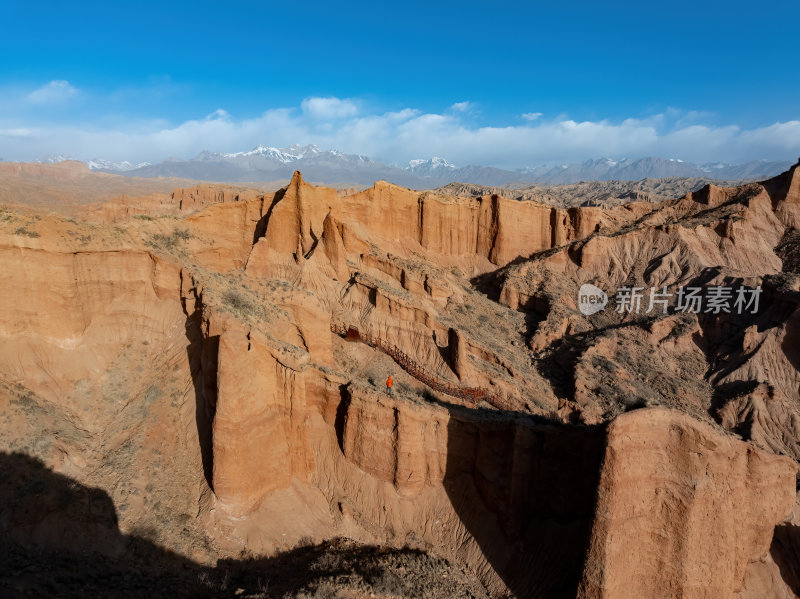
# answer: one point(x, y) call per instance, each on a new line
point(491, 227)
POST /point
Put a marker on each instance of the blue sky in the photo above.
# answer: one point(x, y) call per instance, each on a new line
point(502, 83)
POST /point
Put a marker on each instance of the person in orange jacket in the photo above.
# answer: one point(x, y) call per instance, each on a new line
point(389, 385)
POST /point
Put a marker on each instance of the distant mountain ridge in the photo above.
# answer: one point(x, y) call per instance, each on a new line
point(267, 163)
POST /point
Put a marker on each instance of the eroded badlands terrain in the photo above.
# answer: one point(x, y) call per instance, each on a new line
point(181, 401)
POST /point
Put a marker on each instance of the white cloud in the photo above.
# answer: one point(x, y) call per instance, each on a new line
point(462, 106)
point(21, 132)
point(329, 108)
point(401, 135)
point(219, 113)
point(56, 91)
point(531, 116)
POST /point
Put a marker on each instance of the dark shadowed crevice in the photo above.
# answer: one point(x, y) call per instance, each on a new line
point(202, 353)
point(727, 391)
point(527, 494)
point(262, 224)
point(341, 414)
point(788, 250)
point(784, 550)
point(314, 243)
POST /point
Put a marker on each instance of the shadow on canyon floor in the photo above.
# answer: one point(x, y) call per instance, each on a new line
point(61, 539)
point(526, 491)
point(785, 550)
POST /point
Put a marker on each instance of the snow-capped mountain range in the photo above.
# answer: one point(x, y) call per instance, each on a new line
point(97, 164)
point(434, 165)
point(267, 163)
point(106, 165)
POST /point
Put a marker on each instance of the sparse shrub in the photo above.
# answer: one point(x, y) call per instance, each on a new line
point(373, 376)
point(25, 401)
point(237, 302)
point(148, 533)
point(26, 232)
point(143, 217)
point(263, 588)
point(152, 394)
point(204, 579)
point(246, 554)
point(325, 591)
point(428, 395)
point(171, 241)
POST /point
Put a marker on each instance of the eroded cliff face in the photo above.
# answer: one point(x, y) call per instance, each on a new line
point(258, 438)
point(96, 384)
point(96, 301)
point(492, 227)
point(492, 494)
point(593, 439)
point(697, 506)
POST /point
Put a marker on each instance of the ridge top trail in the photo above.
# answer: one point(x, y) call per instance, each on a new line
point(473, 394)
